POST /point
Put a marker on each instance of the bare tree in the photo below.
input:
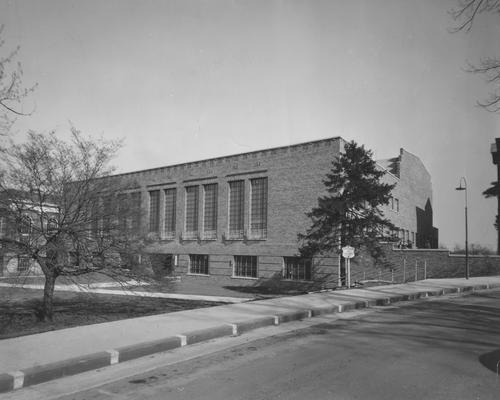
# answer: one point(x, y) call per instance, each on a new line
point(65, 213)
point(12, 91)
point(465, 14)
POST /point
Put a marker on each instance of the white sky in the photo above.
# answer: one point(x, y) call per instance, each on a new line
point(184, 80)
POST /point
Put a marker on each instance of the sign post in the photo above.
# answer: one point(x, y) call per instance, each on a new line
point(348, 253)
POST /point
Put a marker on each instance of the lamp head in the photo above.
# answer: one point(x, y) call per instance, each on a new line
point(462, 182)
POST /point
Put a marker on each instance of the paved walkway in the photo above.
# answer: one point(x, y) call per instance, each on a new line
point(37, 358)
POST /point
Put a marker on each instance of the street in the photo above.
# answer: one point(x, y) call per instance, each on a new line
point(440, 348)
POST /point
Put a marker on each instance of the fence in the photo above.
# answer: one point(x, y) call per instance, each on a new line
point(406, 265)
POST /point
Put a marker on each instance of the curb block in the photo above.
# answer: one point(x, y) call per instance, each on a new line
point(71, 366)
point(6, 383)
point(43, 373)
point(252, 324)
point(208, 333)
point(351, 306)
point(355, 303)
point(397, 298)
point(130, 352)
point(324, 310)
point(292, 316)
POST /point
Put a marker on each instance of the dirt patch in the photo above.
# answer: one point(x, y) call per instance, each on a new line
point(19, 309)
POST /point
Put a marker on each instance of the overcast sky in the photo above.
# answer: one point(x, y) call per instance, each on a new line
point(184, 80)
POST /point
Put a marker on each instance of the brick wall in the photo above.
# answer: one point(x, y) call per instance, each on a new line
point(414, 193)
point(295, 177)
point(295, 180)
point(407, 264)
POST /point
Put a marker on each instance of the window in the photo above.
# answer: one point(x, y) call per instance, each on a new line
point(191, 212)
point(210, 211)
point(129, 211)
point(170, 210)
point(95, 224)
point(154, 211)
point(23, 264)
point(297, 269)
point(25, 229)
point(245, 266)
point(122, 200)
point(397, 204)
point(198, 264)
point(107, 213)
point(3, 227)
point(135, 210)
point(52, 226)
point(258, 214)
point(236, 209)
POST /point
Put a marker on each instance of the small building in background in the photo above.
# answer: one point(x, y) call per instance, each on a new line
point(13, 261)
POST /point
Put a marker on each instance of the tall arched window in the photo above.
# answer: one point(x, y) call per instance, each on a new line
point(25, 228)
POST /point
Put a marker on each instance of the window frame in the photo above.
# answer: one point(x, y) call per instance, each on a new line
point(136, 210)
point(210, 234)
point(262, 205)
point(169, 232)
point(192, 234)
point(25, 261)
point(25, 229)
point(154, 220)
point(236, 268)
point(298, 263)
point(205, 259)
point(239, 233)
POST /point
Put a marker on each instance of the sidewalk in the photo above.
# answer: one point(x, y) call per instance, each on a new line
point(33, 359)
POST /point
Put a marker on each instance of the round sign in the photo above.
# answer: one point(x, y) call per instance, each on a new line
point(348, 252)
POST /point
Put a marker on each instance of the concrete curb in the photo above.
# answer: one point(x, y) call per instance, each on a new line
point(31, 376)
point(126, 353)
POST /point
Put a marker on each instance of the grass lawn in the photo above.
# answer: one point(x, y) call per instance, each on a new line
point(18, 309)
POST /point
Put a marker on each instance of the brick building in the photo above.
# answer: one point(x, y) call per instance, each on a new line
point(236, 218)
point(12, 261)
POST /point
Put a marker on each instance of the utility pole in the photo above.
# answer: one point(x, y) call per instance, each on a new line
point(464, 189)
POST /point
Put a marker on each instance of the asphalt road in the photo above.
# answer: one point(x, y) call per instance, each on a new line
point(442, 348)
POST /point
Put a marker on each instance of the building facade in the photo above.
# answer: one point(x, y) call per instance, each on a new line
point(236, 218)
point(14, 262)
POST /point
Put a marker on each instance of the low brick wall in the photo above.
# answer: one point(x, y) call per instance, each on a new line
point(402, 265)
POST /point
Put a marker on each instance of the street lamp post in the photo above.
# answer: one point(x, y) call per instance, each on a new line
point(464, 188)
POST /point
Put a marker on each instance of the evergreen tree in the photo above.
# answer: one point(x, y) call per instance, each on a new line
point(350, 214)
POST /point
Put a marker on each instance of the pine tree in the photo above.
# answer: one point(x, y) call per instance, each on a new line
point(350, 214)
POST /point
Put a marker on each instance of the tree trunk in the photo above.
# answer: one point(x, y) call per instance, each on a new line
point(48, 297)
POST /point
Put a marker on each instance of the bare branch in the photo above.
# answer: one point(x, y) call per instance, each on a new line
point(12, 92)
point(77, 223)
point(467, 12)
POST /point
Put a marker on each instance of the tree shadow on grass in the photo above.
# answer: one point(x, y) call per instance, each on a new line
point(491, 360)
point(277, 285)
